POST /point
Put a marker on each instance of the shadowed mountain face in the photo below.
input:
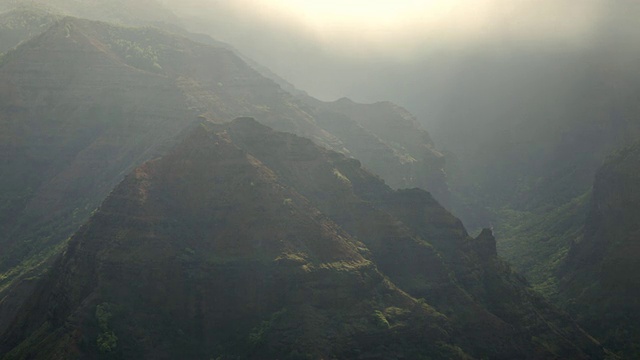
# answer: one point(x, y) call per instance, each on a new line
point(84, 102)
point(315, 257)
point(224, 247)
point(600, 279)
point(204, 252)
point(534, 162)
point(388, 140)
point(75, 119)
point(420, 246)
point(529, 129)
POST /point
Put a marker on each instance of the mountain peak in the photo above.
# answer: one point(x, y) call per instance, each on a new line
point(209, 240)
point(485, 244)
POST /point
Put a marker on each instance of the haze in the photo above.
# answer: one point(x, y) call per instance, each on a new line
point(405, 26)
point(314, 44)
point(255, 238)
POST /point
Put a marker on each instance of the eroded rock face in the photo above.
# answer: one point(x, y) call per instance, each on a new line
point(389, 141)
point(206, 251)
point(423, 249)
point(485, 244)
point(600, 276)
point(243, 241)
point(84, 103)
point(109, 98)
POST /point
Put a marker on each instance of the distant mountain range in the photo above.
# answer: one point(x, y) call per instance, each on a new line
point(273, 238)
point(84, 103)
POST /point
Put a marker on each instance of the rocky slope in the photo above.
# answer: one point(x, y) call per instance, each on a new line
point(424, 251)
point(75, 118)
point(247, 242)
point(23, 23)
point(600, 275)
point(388, 140)
point(85, 102)
point(219, 255)
point(529, 127)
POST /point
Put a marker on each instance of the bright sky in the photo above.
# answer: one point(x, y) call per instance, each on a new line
point(368, 23)
point(377, 25)
point(333, 13)
point(360, 12)
point(355, 15)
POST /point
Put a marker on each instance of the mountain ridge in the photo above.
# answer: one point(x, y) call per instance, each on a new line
point(180, 184)
point(74, 123)
point(598, 278)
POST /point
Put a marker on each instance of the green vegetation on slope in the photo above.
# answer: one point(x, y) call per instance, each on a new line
point(205, 252)
point(599, 279)
point(85, 102)
point(537, 242)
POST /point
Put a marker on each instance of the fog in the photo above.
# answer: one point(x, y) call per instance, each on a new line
point(468, 69)
point(334, 48)
point(524, 99)
point(400, 29)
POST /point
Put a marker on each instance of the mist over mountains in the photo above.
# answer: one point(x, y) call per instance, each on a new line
point(292, 38)
point(139, 219)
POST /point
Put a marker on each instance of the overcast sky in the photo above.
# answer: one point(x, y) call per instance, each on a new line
point(334, 48)
point(376, 26)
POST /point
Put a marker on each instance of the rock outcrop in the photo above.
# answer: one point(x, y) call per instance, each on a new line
point(600, 277)
point(207, 253)
point(246, 242)
point(84, 103)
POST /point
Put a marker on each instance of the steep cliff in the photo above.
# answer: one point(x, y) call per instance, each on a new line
point(207, 253)
point(529, 129)
point(423, 249)
point(389, 141)
point(600, 278)
point(74, 119)
point(245, 242)
point(85, 102)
